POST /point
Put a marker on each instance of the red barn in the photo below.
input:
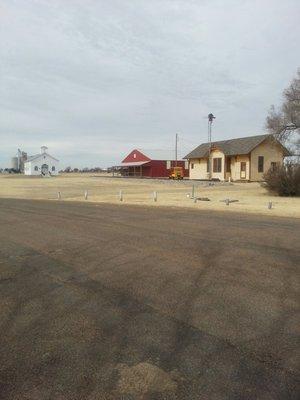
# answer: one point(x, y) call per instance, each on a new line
point(151, 164)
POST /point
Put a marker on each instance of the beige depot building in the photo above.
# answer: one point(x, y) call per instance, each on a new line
point(245, 159)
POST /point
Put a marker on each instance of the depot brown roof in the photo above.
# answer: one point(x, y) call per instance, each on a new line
point(231, 147)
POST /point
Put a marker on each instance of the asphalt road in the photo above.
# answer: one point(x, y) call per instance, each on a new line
point(121, 302)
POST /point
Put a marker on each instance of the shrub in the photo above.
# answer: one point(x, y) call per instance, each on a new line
point(284, 180)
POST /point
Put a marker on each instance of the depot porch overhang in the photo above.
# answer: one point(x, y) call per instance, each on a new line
point(133, 164)
point(133, 168)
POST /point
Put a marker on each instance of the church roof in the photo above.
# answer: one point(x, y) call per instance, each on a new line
point(37, 156)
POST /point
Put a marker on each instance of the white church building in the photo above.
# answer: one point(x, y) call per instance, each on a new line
point(41, 164)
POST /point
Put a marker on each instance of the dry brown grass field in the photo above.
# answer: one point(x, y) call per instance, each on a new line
point(252, 198)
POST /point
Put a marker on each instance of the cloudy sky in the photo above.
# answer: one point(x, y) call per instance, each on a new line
point(92, 79)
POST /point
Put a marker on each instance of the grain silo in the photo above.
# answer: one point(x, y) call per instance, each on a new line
point(15, 163)
point(22, 159)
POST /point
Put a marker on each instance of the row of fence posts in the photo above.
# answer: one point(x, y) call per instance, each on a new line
point(154, 197)
point(120, 195)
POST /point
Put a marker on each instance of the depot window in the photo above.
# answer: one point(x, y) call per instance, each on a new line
point(260, 165)
point(217, 164)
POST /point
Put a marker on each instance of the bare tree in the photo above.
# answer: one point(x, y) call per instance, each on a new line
point(281, 123)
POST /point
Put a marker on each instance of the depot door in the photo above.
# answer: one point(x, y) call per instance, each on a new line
point(243, 170)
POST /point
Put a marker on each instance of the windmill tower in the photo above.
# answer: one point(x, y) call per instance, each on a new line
point(211, 118)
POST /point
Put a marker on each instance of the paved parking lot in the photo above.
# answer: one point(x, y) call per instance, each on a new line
point(102, 301)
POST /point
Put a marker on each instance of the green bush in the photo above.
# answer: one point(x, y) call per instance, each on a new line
point(284, 180)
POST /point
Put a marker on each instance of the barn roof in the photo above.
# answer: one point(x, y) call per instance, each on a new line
point(159, 154)
point(231, 147)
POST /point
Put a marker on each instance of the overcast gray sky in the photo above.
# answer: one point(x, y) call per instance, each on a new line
point(92, 79)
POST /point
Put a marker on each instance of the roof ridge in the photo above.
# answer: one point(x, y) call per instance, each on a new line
point(233, 146)
point(31, 158)
point(239, 138)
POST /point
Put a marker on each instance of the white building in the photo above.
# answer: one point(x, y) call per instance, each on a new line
point(41, 164)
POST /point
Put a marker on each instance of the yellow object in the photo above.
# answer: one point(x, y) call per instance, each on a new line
point(176, 173)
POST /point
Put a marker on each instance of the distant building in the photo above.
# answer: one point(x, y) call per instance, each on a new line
point(17, 162)
point(150, 164)
point(244, 159)
point(41, 164)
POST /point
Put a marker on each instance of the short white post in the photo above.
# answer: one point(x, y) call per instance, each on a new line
point(270, 205)
point(155, 196)
point(193, 191)
point(86, 193)
point(229, 179)
point(58, 196)
point(120, 195)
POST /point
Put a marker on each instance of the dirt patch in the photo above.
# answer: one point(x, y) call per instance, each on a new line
point(143, 378)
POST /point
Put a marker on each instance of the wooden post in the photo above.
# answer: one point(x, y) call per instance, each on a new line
point(120, 195)
point(154, 196)
point(227, 202)
point(58, 196)
point(86, 195)
point(195, 199)
point(193, 191)
point(270, 205)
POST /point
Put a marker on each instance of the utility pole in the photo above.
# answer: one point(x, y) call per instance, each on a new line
point(176, 147)
point(211, 117)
